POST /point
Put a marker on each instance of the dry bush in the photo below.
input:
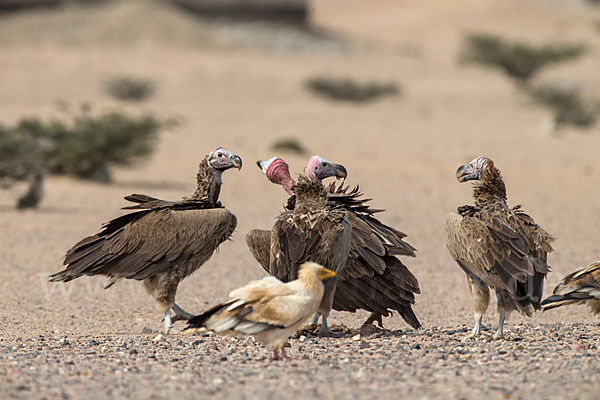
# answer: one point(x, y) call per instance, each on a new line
point(518, 60)
point(129, 88)
point(345, 89)
point(567, 105)
point(84, 147)
point(290, 145)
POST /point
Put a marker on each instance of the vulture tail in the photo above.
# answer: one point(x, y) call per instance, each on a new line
point(409, 316)
point(199, 320)
point(558, 300)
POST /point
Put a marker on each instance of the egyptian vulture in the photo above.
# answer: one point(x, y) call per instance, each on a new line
point(497, 246)
point(579, 287)
point(374, 279)
point(161, 242)
point(268, 309)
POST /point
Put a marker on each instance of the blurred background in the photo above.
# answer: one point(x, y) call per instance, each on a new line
point(100, 99)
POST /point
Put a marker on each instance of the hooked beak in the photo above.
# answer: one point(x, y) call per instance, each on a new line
point(340, 171)
point(326, 273)
point(261, 164)
point(465, 173)
point(236, 161)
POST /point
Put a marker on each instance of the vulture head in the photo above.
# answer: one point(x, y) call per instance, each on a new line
point(221, 159)
point(474, 170)
point(277, 172)
point(318, 169)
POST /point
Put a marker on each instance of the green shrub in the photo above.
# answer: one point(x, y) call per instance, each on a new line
point(567, 105)
point(518, 60)
point(129, 88)
point(344, 89)
point(85, 147)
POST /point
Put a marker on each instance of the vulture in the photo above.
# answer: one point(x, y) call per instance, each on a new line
point(374, 279)
point(579, 287)
point(312, 230)
point(268, 309)
point(497, 246)
point(160, 242)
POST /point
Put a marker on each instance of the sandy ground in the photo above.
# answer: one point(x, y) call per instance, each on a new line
point(80, 341)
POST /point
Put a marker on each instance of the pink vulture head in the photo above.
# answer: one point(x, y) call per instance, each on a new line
point(278, 172)
point(318, 169)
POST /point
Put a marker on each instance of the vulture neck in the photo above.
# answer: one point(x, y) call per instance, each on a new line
point(308, 191)
point(490, 189)
point(209, 183)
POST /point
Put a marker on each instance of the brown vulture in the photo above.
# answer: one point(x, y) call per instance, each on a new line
point(497, 246)
point(268, 309)
point(162, 242)
point(314, 230)
point(374, 279)
point(579, 287)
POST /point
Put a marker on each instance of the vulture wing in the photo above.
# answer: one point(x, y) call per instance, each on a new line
point(259, 243)
point(322, 236)
point(500, 251)
point(142, 243)
point(578, 287)
point(373, 279)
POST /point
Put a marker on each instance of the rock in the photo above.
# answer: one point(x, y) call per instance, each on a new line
point(364, 345)
point(146, 330)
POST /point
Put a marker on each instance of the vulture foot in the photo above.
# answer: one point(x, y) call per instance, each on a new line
point(180, 314)
point(374, 317)
point(474, 336)
point(281, 355)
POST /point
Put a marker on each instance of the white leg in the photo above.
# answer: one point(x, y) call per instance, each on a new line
point(500, 332)
point(481, 298)
point(168, 323)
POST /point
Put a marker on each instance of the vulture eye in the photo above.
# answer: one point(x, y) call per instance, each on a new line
point(324, 164)
point(219, 154)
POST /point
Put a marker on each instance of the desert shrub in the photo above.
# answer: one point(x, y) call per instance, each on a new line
point(130, 88)
point(345, 89)
point(85, 147)
point(290, 145)
point(518, 60)
point(567, 105)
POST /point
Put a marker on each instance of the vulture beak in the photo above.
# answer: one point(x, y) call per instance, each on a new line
point(236, 161)
point(340, 171)
point(325, 273)
point(465, 173)
point(260, 164)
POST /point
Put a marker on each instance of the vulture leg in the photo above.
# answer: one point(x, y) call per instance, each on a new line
point(324, 329)
point(169, 323)
point(315, 319)
point(502, 315)
point(374, 317)
point(180, 314)
point(481, 299)
point(275, 355)
point(283, 355)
